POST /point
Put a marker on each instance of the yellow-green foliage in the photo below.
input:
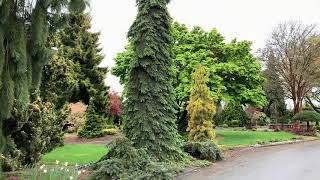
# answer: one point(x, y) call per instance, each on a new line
point(201, 108)
point(111, 131)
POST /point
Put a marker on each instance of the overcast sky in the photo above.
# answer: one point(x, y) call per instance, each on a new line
point(251, 20)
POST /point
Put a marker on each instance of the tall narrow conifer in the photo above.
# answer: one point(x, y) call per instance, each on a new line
point(201, 108)
point(150, 106)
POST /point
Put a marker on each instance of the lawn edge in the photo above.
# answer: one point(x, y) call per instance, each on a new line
point(193, 169)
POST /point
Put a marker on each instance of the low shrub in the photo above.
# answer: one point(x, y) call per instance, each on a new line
point(93, 125)
point(225, 126)
point(112, 131)
point(126, 162)
point(305, 132)
point(110, 126)
point(206, 150)
point(32, 133)
point(235, 123)
point(263, 119)
point(317, 128)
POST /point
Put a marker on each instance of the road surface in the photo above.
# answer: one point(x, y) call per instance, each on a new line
point(299, 161)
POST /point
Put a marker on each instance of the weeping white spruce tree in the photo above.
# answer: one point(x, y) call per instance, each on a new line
point(25, 26)
point(150, 107)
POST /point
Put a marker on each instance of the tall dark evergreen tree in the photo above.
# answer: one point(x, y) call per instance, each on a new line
point(275, 106)
point(24, 29)
point(74, 74)
point(150, 106)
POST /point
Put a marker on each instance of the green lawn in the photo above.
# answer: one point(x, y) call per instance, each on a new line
point(76, 154)
point(242, 138)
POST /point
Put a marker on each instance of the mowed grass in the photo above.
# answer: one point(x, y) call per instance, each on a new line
point(76, 154)
point(231, 138)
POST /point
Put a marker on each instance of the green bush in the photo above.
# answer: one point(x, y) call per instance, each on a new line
point(287, 118)
point(206, 150)
point(234, 112)
point(225, 126)
point(93, 125)
point(307, 116)
point(111, 131)
point(124, 161)
point(32, 133)
point(235, 123)
point(263, 120)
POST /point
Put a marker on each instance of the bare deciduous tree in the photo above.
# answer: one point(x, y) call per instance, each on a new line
point(294, 51)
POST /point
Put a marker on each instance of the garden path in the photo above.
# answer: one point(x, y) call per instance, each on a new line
point(74, 139)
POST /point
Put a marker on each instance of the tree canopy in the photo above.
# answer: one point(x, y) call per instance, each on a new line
point(293, 49)
point(234, 73)
point(312, 116)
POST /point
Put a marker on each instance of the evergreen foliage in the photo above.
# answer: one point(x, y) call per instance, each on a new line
point(124, 161)
point(233, 112)
point(74, 74)
point(235, 74)
point(201, 108)
point(275, 106)
point(206, 150)
point(93, 125)
point(32, 132)
point(307, 115)
point(77, 64)
point(25, 26)
point(150, 106)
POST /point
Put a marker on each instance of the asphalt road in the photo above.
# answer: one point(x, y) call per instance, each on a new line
point(299, 161)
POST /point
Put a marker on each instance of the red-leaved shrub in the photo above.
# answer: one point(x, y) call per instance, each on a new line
point(115, 106)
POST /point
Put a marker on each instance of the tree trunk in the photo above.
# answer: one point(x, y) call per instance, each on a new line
point(297, 105)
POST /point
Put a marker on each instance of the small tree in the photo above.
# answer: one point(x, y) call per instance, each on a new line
point(293, 50)
point(201, 108)
point(115, 107)
point(307, 116)
point(93, 125)
point(234, 113)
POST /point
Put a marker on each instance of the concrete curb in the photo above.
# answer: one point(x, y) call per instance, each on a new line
point(284, 142)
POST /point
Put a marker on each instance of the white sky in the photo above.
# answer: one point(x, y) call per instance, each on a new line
point(251, 20)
